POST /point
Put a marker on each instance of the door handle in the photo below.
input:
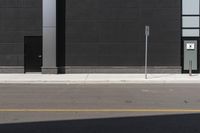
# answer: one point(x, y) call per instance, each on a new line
point(39, 56)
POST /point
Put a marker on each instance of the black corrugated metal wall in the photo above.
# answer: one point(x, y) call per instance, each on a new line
point(111, 32)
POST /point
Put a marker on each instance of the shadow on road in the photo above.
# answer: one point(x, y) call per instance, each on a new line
point(189, 123)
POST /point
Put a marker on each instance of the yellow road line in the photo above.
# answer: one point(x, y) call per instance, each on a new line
point(101, 110)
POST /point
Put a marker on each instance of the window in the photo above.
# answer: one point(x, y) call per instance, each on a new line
point(190, 18)
point(190, 32)
point(190, 22)
point(190, 7)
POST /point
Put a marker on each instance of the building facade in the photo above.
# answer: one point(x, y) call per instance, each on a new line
point(85, 36)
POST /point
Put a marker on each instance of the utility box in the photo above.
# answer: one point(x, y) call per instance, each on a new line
point(190, 54)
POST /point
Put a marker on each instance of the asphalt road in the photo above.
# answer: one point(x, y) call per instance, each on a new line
point(166, 108)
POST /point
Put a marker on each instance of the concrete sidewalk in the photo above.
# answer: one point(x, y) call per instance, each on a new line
point(98, 78)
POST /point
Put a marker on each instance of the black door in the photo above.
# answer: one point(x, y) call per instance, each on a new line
point(33, 53)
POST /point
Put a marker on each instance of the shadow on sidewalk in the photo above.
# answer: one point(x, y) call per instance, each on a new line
point(189, 123)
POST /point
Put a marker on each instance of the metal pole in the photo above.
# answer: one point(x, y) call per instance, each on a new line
point(147, 32)
point(146, 56)
point(190, 70)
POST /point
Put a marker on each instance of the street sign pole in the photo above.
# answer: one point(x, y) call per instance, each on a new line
point(147, 30)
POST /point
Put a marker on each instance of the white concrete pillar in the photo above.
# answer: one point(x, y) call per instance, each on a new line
point(49, 37)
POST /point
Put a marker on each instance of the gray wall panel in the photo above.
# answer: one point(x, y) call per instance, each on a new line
point(19, 18)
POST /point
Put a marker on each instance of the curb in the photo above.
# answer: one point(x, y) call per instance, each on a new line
point(101, 82)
